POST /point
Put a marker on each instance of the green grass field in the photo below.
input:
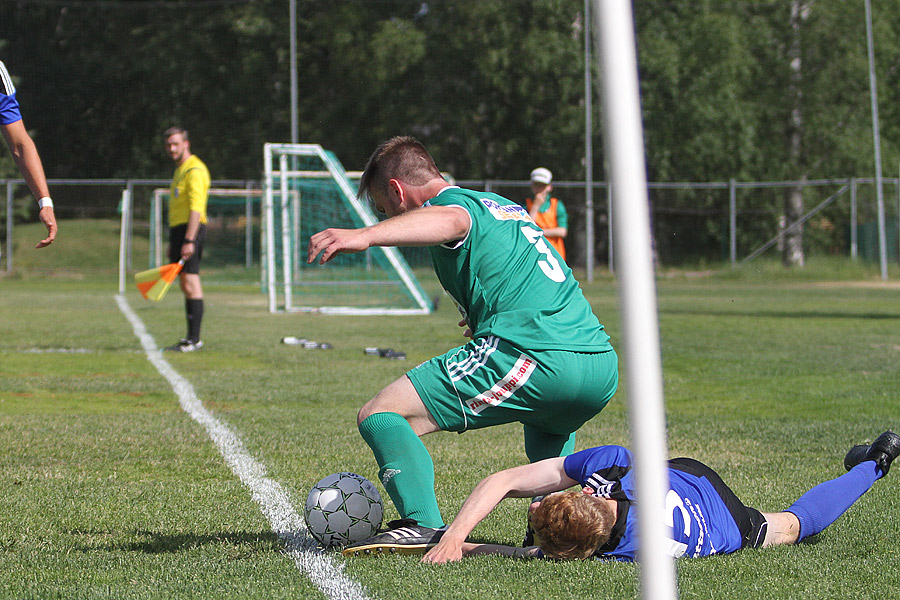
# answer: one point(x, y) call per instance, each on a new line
point(110, 490)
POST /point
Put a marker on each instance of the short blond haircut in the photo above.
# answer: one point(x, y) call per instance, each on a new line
point(572, 525)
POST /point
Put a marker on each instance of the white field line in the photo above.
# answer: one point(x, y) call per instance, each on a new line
point(322, 570)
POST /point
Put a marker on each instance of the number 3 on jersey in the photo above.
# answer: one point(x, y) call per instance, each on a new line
point(549, 265)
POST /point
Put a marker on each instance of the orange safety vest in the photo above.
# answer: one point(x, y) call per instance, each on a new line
point(547, 220)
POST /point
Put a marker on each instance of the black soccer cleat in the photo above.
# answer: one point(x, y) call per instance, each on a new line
point(856, 455)
point(405, 540)
point(397, 524)
point(883, 451)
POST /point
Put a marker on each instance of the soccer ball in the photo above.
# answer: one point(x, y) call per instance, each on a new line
point(343, 508)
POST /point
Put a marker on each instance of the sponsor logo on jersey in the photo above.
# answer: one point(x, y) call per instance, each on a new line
point(506, 387)
point(505, 212)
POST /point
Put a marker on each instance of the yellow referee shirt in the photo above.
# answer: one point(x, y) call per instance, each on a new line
point(189, 191)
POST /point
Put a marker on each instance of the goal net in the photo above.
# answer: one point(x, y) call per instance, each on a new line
point(305, 191)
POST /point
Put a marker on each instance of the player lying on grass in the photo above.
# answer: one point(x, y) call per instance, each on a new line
point(600, 519)
point(538, 355)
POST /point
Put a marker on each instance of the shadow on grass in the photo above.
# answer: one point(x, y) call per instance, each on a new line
point(155, 542)
point(778, 314)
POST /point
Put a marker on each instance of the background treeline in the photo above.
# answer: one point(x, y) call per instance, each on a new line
point(746, 90)
point(492, 86)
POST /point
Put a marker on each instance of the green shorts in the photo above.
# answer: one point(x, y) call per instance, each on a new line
point(489, 381)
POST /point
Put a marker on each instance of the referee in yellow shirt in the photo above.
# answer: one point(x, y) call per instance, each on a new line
point(187, 229)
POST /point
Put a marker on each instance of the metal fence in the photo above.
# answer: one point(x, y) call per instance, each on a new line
point(694, 224)
point(699, 223)
point(85, 199)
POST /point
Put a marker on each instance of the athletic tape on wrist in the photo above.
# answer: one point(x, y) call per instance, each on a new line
point(45, 202)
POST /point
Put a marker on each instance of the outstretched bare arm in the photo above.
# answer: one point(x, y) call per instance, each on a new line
point(426, 226)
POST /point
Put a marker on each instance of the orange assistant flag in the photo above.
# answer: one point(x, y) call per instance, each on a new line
point(154, 283)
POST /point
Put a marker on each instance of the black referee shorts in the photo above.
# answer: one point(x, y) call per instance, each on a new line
point(751, 523)
point(176, 240)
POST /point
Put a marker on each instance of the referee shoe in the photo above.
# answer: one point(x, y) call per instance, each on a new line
point(185, 345)
point(407, 539)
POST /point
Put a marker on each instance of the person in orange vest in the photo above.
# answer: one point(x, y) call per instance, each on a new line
point(548, 212)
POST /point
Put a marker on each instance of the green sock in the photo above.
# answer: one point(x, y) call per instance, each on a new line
point(405, 467)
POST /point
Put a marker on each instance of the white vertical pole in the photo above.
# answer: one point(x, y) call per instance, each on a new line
point(296, 200)
point(248, 227)
point(292, 14)
point(287, 269)
point(130, 186)
point(156, 208)
point(873, 94)
point(123, 237)
point(732, 222)
point(625, 151)
point(589, 244)
point(269, 203)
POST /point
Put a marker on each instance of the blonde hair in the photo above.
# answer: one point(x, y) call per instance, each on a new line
point(572, 525)
point(402, 157)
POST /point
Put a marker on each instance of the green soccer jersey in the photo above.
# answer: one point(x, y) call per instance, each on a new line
point(507, 281)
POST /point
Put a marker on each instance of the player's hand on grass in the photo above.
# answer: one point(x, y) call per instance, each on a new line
point(333, 241)
point(49, 219)
point(446, 550)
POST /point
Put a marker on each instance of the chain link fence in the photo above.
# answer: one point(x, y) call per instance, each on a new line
point(694, 224)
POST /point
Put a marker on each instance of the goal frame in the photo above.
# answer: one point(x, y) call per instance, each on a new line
point(276, 181)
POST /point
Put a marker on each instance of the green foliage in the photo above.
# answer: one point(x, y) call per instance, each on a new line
point(493, 87)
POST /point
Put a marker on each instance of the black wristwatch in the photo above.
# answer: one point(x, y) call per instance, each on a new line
point(187, 241)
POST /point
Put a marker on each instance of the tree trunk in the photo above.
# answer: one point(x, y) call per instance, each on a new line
point(792, 254)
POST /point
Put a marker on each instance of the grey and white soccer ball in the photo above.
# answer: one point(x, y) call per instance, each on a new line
point(342, 509)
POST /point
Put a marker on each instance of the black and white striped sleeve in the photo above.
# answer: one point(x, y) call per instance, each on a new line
point(6, 85)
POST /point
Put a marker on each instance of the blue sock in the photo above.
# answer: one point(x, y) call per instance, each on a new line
point(821, 506)
point(405, 467)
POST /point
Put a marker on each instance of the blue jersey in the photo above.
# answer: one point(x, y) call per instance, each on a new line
point(700, 522)
point(9, 107)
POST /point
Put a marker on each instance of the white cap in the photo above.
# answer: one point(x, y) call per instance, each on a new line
point(542, 175)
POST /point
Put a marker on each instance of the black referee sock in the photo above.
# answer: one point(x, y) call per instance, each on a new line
point(194, 310)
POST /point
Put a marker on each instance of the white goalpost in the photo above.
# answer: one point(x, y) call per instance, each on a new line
point(614, 35)
point(306, 190)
